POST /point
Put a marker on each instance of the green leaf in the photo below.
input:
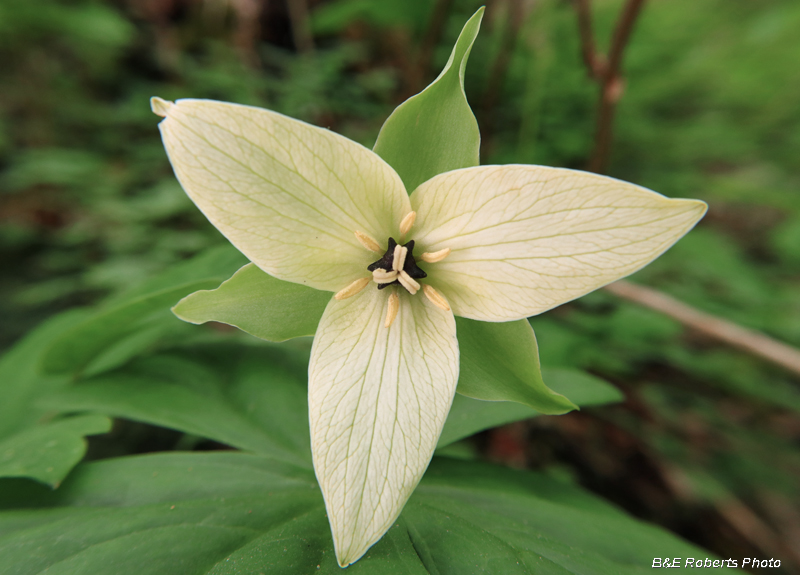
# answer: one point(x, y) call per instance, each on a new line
point(469, 416)
point(251, 398)
point(140, 309)
point(258, 304)
point(435, 131)
point(232, 513)
point(256, 403)
point(20, 380)
point(48, 452)
point(500, 362)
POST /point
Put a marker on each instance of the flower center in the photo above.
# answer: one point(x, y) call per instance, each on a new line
point(397, 266)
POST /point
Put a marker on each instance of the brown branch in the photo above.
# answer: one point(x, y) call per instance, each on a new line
point(622, 34)
point(612, 87)
point(248, 28)
point(741, 338)
point(753, 528)
point(301, 30)
point(594, 61)
point(503, 58)
point(606, 72)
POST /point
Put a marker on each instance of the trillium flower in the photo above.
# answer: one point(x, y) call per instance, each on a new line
point(489, 243)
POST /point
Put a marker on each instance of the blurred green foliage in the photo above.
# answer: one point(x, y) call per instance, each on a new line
point(711, 109)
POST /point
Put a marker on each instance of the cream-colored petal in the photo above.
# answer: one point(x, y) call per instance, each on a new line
point(289, 195)
point(378, 398)
point(525, 239)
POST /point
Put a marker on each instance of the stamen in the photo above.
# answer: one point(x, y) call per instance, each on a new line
point(391, 311)
point(434, 257)
point(408, 282)
point(382, 273)
point(407, 222)
point(400, 253)
point(381, 276)
point(368, 242)
point(435, 297)
point(352, 289)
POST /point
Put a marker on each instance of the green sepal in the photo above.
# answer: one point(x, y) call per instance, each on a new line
point(500, 362)
point(435, 131)
point(469, 416)
point(259, 304)
point(48, 452)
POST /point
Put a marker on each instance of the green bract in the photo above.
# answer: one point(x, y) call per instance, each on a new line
point(435, 131)
point(496, 243)
point(259, 304)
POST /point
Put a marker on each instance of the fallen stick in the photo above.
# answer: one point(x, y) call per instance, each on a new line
point(741, 338)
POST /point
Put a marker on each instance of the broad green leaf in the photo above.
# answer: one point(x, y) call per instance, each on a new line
point(435, 131)
point(48, 452)
point(232, 513)
point(469, 416)
point(251, 398)
point(500, 362)
point(144, 308)
point(258, 304)
point(220, 261)
point(257, 403)
point(20, 380)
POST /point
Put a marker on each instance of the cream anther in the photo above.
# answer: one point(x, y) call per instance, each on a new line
point(368, 242)
point(392, 309)
point(434, 257)
point(399, 260)
point(435, 297)
point(408, 282)
point(352, 289)
point(407, 222)
point(381, 276)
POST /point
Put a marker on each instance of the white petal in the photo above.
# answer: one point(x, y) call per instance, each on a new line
point(378, 399)
point(289, 195)
point(525, 239)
